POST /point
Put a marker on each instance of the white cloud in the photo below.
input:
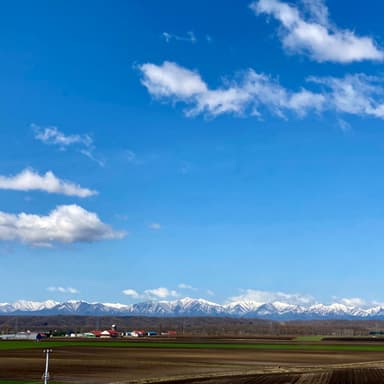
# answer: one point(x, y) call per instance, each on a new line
point(270, 297)
point(151, 294)
point(154, 226)
point(310, 32)
point(353, 302)
point(170, 79)
point(160, 293)
point(131, 293)
point(65, 224)
point(53, 136)
point(188, 38)
point(63, 290)
point(251, 91)
point(317, 11)
point(377, 303)
point(28, 180)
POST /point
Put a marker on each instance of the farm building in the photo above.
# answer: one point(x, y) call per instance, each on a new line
point(105, 333)
point(19, 336)
point(169, 333)
point(140, 333)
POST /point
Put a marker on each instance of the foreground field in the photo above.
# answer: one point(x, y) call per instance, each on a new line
point(336, 376)
point(226, 361)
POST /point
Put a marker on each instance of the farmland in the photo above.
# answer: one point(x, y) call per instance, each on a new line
point(187, 360)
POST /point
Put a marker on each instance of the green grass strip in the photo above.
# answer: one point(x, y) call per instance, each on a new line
point(25, 382)
point(10, 345)
point(19, 382)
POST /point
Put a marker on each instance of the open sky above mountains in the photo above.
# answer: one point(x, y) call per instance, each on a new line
point(226, 150)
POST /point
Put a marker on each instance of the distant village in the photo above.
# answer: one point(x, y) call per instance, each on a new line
point(113, 332)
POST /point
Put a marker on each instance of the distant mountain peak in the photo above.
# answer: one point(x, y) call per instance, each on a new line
point(187, 306)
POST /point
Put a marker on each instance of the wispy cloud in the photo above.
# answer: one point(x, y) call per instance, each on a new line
point(259, 296)
point(28, 180)
point(90, 154)
point(188, 38)
point(63, 290)
point(309, 31)
point(208, 38)
point(154, 226)
point(65, 224)
point(252, 93)
point(185, 286)
point(130, 156)
point(357, 94)
point(343, 125)
point(53, 136)
point(121, 216)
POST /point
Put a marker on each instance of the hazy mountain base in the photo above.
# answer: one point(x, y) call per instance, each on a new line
point(192, 326)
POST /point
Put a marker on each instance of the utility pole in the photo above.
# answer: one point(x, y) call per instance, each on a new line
point(46, 373)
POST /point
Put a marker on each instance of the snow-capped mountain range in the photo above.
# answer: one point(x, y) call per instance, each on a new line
point(195, 307)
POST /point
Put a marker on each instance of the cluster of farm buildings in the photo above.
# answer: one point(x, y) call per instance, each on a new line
point(106, 333)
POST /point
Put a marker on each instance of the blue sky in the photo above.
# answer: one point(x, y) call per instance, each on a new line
point(155, 150)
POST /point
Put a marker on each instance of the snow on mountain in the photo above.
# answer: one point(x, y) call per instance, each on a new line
point(242, 307)
point(117, 306)
point(6, 308)
point(27, 306)
point(196, 307)
point(187, 306)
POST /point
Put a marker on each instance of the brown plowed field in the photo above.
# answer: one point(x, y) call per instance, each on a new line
point(336, 376)
point(102, 365)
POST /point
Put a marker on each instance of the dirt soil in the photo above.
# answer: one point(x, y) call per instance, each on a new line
point(336, 376)
point(102, 365)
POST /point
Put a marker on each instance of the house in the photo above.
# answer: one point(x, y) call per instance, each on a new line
point(109, 333)
point(113, 333)
point(105, 334)
point(89, 334)
point(140, 333)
